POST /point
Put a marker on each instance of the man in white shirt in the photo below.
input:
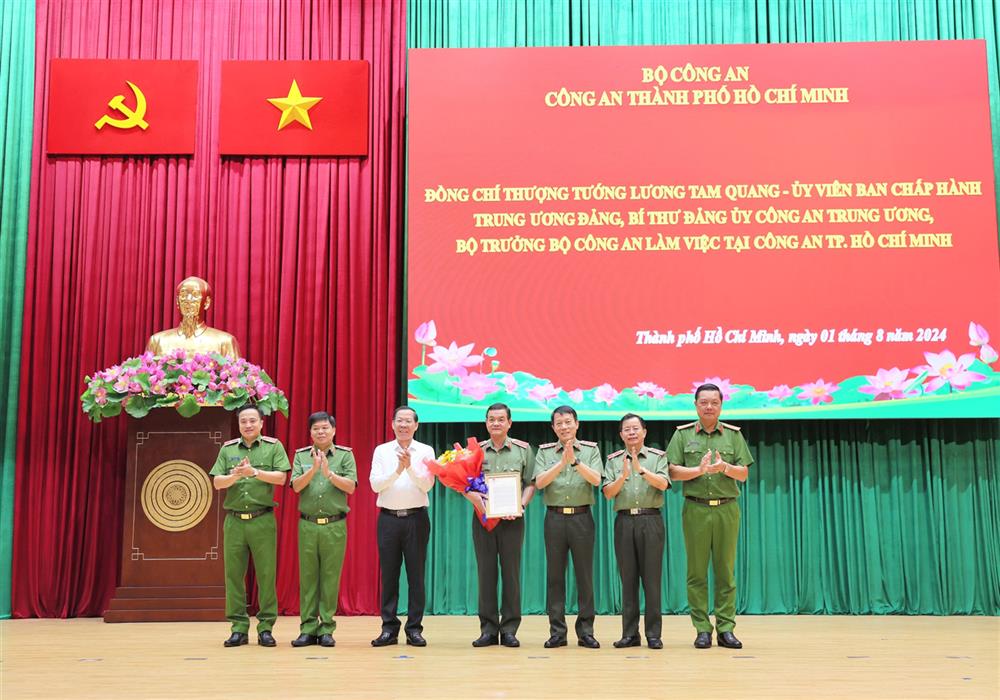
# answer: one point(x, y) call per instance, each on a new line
point(402, 480)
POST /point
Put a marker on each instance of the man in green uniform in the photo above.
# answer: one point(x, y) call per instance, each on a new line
point(323, 475)
point(501, 454)
point(710, 457)
point(250, 467)
point(567, 471)
point(636, 478)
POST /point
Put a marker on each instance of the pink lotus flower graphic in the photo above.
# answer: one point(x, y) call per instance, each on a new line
point(509, 383)
point(725, 386)
point(453, 359)
point(944, 368)
point(426, 333)
point(477, 385)
point(888, 384)
point(649, 390)
point(988, 355)
point(576, 396)
point(980, 338)
point(543, 392)
point(818, 392)
point(780, 392)
point(605, 393)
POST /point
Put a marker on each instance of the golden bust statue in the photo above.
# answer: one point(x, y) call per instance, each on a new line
point(194, 296)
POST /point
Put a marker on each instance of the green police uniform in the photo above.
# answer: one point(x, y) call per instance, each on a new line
point(250, 529)
point(569, 527)
point(639, 538)
point(502, 544)
point(322, 538)
point(711, 519)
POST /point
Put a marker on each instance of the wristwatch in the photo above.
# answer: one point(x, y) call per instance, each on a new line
point(575, 462)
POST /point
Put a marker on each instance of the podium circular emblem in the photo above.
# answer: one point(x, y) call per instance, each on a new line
point(176, 495)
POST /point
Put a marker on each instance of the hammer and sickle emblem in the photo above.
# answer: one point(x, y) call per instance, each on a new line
point(132, 118)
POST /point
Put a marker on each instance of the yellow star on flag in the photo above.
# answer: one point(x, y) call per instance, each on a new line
point(294, 107)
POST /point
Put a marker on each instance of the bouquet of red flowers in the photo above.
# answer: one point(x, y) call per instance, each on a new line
point(461, 469)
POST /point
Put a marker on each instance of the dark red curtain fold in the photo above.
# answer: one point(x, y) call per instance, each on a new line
point(303, 255)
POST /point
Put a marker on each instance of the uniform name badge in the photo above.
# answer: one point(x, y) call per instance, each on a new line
point(503, 495)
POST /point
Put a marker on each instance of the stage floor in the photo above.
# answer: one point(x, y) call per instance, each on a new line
point(783, 657)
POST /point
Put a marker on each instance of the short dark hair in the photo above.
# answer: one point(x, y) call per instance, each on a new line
point(707, 387)
point(249, 407)
point(404, 407)
point(321, 416)
point(630, 416)
point(498, 407)
point(564, 411)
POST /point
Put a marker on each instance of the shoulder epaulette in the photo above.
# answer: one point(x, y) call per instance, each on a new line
point(520, 443)
point(345, 448)
point(619, 453)
point(587, 443)
point(687, 425)
point(304, 449)
point(727, 425)
point(268, 439)
point(231, 442)
point(656, 451)
point(483, 443)
point(547, 445)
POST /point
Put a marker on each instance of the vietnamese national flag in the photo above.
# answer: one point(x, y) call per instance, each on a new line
point(151, 111)
point(294, 108)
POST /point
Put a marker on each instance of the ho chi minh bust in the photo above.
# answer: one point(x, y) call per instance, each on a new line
point(194, 297)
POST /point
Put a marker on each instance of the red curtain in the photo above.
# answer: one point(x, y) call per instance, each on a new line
point(303, 255)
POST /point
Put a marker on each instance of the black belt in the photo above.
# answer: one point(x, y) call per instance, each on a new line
point(639, 511)
point(249, 514)
point(710, 501)
point(569, 510)
point(405, 512)
point(323, 520)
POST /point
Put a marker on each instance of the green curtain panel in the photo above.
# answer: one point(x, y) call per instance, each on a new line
point(17, 92)
point(849, 517)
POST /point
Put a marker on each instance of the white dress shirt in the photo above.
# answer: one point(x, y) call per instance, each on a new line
point(406, 490)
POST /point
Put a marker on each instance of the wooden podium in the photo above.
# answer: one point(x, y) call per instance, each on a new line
point(172, 568)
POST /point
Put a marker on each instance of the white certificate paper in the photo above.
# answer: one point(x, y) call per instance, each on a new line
point(503, 495)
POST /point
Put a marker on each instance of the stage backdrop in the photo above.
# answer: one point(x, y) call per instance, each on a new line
point(303, 256)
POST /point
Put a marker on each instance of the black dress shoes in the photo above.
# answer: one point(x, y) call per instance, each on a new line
point(588, 641)
point(554, 641)
point(304, 640)
point(486, 640)
point(630, 641)
point(654, 642)
point(703, 640)
point(729, 640)
point(385, 639)
point(265, 639)
point(327, 640)
point(236, 639)
point(509, 640)
point(415, 639)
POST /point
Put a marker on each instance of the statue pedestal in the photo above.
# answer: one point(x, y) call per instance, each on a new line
point(171, 566)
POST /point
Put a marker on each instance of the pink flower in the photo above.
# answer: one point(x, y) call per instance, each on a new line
point(780, 392)
point(888, 384)
point(101, 396)
point(977, 335)
point(605, 393)
point(121, 386)
point(477, 385)
point(453, 359)
point(988, 355)
point(818, 392)
point(576, 396)
point(543, 392)
point(945, 368)
point(724, 385)
point(649, 389)
point(509, 383)
point(426, 333)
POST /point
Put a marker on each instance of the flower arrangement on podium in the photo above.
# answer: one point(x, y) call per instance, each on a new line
point(461, 469)
point(182, 381)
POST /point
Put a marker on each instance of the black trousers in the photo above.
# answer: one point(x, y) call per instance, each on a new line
point(639, 550)
point(502, 545)
point(565, 534)
point(403, 540)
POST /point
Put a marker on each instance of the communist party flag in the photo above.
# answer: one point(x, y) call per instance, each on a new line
point(294, 108)
point(121, 107)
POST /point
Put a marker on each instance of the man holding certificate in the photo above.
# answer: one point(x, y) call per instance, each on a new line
point(567, 471)
point(636, 478)
point(506, 468)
